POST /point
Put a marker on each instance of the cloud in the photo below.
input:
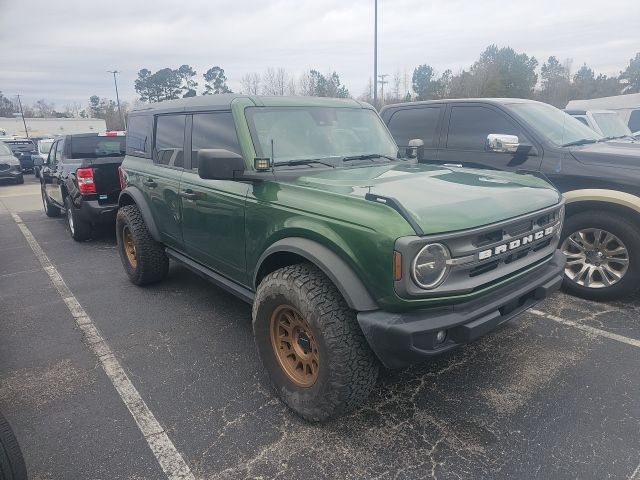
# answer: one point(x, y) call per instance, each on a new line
point(62, 51)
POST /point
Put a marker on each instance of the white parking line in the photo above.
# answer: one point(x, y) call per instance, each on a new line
point(164, 450)
point(586, 328)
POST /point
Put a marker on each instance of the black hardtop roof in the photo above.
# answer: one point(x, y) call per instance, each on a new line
point(224, 101)
point(491, 101)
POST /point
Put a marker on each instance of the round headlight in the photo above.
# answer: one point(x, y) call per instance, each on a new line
point(429, 267)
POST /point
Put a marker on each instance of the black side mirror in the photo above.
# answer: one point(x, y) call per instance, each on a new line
point(219, 164)
point(415, 149)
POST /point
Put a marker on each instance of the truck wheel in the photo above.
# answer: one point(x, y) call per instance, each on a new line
point(143, 258)
point(310, 343)
point(79, 230)
point(49, 209)
point(603, 255)
point(20, 180)
point(12, 465)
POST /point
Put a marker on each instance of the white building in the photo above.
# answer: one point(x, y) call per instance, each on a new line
point(41, 127)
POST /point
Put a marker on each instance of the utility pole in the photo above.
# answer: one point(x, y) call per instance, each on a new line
point(375, 55)
point(26, 132)
point(383, 82)
point(117, 96)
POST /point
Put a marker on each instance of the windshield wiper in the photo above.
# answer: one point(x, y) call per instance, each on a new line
point(369, 156)
point(304, 162)
point(582, 141)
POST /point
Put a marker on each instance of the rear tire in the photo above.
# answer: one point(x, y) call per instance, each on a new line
point(300, 317)
point(79, 230)
point(50, 209)
point(623, 234)
point(143, 258)
point(12, 465)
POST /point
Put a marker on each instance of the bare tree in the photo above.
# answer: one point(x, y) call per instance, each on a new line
point(42, 108)
point(251, 83)
point(274, 81)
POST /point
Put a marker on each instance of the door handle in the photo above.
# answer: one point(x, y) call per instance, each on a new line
point(191, 195)
point(149, 183)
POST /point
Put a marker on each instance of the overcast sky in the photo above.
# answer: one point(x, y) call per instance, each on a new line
point(60, 50)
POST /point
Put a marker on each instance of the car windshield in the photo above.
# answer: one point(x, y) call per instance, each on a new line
point(611, 125)
point(305, 133)
point(95, 146)
point(22, 145)
point(5, 150)
point(554, 124)
point(44, 147)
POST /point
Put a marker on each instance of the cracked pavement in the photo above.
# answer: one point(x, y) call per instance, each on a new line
point(535, 399)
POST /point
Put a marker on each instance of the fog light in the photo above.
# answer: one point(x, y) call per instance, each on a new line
point(441, 336)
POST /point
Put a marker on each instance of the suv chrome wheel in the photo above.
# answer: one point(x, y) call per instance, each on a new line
point(595, 258)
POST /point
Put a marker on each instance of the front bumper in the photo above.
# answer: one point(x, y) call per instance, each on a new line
point(402, 339)
point(10, 174)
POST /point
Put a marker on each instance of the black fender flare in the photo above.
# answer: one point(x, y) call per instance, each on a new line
point(138, 199)
point(334, 267)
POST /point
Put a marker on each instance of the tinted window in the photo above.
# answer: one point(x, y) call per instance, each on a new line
point(582, 119)
point(634, 121)
point(470, 125)
point(213, 130)
point(139, 135)
point(96, 147)
point(169, 146)
point(413, 123)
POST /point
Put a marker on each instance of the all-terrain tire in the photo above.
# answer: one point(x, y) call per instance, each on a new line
point(50, 209)
point(12, 465)
point(151, 262)
point(628, 233)
point(79, 229)
point(348, 369)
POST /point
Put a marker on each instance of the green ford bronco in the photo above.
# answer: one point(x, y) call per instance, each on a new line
point(351, 256)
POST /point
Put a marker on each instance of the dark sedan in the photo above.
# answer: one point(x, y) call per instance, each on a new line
point(24, 150)
point(9, 165)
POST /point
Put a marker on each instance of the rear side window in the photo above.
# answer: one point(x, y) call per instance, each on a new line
point(97, 147)
point(213, 131)
point(581, 119)
point(139, 129)
point(634, 121)
point(169, 145)
point(470, 125)
point(411, 123)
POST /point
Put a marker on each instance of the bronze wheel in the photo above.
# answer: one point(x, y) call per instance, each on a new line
point(129, 247)
point(295, 346)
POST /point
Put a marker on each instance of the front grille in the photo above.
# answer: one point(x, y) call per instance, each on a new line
point(4, 167)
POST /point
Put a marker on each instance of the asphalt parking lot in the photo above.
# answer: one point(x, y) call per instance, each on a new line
point(553, 395)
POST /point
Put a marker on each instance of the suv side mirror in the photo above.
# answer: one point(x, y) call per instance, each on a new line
point(501, 143)
point(219, 164)
point(415, 149)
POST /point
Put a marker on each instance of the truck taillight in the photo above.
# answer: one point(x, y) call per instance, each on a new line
point(85, 180)
point(123, 182)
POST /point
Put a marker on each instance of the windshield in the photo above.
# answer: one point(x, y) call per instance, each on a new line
point(5, 150)
point(611, 125)
point(553, 124)
point(45, 147)
point(21, 145)
point(94, 147)
point(299, 133)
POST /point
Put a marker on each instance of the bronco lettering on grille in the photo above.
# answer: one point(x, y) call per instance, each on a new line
point(517, 243)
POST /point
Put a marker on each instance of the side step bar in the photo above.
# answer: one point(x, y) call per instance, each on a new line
point(230, 286)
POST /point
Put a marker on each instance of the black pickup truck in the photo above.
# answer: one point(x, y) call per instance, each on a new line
point(600, 179)
point(80, 177)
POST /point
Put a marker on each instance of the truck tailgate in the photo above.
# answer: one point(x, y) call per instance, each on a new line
point(105, 177)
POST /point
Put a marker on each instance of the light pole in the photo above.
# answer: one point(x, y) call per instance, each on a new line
point(375, 55)
point(115, 82)
point(26, 132)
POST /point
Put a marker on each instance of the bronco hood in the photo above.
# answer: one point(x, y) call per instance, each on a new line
point(441, 199)
point(617, 154)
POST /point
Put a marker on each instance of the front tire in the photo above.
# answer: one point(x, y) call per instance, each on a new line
point(50, 209)
point(79, 230)
point(20, 180)
point(143, 258)
point(311, 344)
point(12, 465)
point(603, 255)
